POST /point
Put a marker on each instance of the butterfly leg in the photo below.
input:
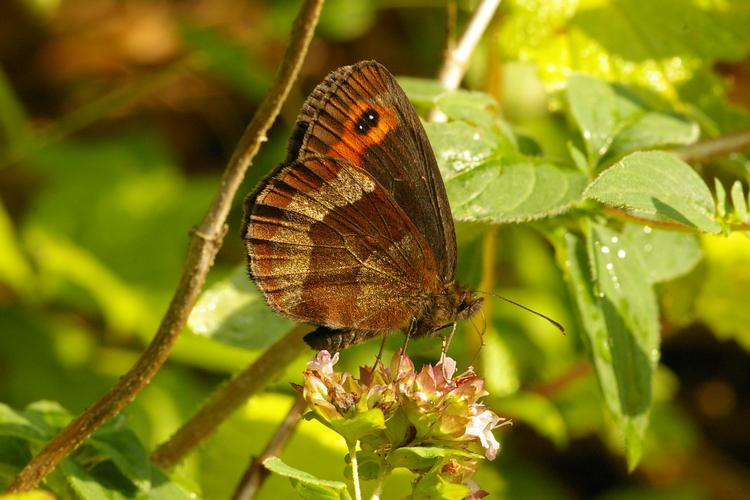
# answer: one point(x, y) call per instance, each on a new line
point(379, 357)
point(412, 329)
point(444, 348)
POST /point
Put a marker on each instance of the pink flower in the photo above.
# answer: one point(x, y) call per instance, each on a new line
point(481, 426)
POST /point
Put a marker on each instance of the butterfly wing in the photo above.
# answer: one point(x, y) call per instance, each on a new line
point(360, 113)
point(328, 245)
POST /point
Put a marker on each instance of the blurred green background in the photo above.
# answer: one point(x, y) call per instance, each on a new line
point(116, 119)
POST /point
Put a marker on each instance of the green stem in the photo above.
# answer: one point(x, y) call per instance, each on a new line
point(355, 469)
point(379, 485)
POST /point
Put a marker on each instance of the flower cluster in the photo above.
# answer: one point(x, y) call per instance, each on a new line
point(427, 421)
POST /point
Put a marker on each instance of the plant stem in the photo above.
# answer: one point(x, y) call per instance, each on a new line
point(378, 486)
point(253, 479)
point(737, 142)
point(457, 57)
point(229, 397)
point(205, 242)
point(355, 470)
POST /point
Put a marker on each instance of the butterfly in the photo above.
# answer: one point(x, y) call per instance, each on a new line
point(353, 231)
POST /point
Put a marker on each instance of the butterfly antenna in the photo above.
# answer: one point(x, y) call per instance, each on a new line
point(532, 311)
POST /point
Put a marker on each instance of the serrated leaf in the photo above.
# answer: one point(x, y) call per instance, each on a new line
point(489, 182)
point(657, 185)
point(666, 254)
point(512, 189)
point(613, 122)
point(739, 202)
point(233, 311)
point(619, 314)
point(654, 130)
point(424, 457)
point(599, 112)
point(308, 486)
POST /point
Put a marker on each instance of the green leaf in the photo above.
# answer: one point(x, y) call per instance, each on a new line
point(308, 486)
point(369, 464)
point(487, 181)
point(739, 203)
point(654, 130)
point(721, 198)
point(619, 314)
point(84, 484)
point(434, 486)
point(512, 189)
point(354, 428)
point(13, 423)
point(599, 112)
point(232, 311)
point(641, 42)
point(417, 458)
point(666, 254)
point(657, 185)
point(126, 452)
point(48, 415)
point(422, 92)
point(613, 122)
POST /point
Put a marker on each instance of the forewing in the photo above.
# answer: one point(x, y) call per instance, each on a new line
point(328, 245)
point(360, 113)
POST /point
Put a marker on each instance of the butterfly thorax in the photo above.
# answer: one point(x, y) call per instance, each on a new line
point(455, 303)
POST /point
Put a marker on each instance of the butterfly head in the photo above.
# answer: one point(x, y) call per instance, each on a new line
point(469, 304)
point(456, 303)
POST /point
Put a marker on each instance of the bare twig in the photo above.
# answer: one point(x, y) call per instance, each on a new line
point(230, 397)
point(253, 479)
point(457, 58)
point(737, 142)
point(205, 243)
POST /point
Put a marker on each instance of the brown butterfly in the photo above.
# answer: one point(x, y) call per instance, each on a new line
point(354, 232)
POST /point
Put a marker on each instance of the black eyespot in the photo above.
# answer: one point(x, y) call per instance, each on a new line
point(366, 121)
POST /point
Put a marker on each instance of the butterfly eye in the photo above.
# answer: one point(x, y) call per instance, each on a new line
point(366, 121)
